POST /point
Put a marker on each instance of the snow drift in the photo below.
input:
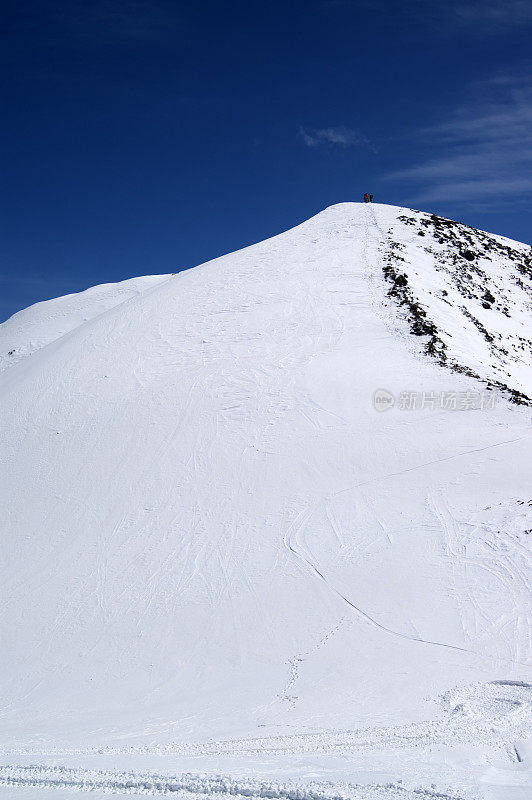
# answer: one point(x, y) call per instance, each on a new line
point(250, 517)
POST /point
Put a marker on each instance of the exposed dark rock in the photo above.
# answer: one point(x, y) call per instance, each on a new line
point(465, 258)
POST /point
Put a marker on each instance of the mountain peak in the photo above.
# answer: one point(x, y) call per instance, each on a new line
point(278, 503)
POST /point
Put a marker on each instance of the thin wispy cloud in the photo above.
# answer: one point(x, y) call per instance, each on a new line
point(494, 12)
point(121, 19)
point(482, 152)
point(454, 17)
point(341, 137)
point(112, 21)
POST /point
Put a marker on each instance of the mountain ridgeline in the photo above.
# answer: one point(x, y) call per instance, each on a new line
point(268, 520)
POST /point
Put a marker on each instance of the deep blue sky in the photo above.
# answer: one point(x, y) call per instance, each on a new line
point(145, 137)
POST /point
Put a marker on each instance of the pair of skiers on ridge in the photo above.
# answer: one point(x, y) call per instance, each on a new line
point(368, 198)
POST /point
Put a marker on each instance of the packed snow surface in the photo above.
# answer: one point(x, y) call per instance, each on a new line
point(267, 523)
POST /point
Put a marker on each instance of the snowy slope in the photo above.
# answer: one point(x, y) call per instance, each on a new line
point(470, 292)
point(219, 557)
point(42, 323)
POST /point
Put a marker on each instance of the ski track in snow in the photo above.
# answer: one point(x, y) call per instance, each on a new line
point(61, 778)
point(508, 563)
point(494, 712)
point(233, 557)
point(314, 568)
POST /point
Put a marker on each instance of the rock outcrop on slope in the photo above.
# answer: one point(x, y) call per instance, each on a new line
point(271, 517)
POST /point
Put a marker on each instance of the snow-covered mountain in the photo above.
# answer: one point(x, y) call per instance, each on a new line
point(267, 522)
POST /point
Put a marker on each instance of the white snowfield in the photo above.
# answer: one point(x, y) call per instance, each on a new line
point(42, 323)
point(225, 572)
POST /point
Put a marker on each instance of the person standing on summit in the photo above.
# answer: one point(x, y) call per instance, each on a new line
point(366, 197)
point(371, 198)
